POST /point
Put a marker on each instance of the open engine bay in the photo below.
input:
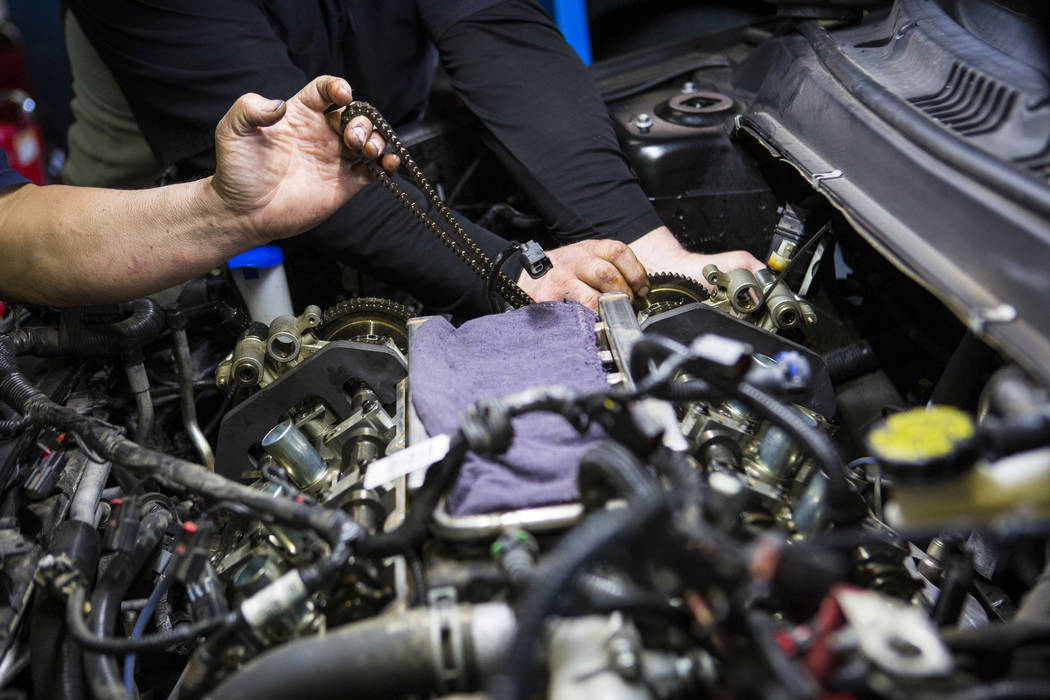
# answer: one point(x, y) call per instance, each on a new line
point(827, 479)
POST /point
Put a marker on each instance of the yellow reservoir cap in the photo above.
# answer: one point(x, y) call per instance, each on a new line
point(922, 435)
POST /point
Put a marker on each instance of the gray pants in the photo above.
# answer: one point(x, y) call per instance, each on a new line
point(106, 147)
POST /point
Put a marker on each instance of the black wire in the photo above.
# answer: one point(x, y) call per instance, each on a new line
point(154, 642)
point(237, 509)
point(645, 350)
point(213, 424)
point(276, 476)
point(419, 576)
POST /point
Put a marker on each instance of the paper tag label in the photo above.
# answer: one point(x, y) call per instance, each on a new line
point(412, 459)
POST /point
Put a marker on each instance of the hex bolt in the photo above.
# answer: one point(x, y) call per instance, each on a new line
point(643, 122)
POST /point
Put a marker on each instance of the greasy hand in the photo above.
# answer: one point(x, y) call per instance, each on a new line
point(586, 269)
point(281, 170)
point(660, 251)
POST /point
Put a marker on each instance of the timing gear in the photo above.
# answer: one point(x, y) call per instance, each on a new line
point(366, 320)
point(668, 291)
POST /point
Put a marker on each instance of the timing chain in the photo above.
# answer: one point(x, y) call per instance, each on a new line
point(469, 252)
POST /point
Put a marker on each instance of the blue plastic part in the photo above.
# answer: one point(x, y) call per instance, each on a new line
point(262, 256)
point(571, 18)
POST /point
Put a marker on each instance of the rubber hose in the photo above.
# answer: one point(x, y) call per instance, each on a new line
point(80, 544)
point(999, 638)
point(388, 656)
point(850, 361)
point(407, 535)
point(613, 465)
point(144, 324)
point(70, 670)
point(578, 548)
point(1000, 690)
point(955, 587)
point(683, 476)
point(104, 677)
point(13, 426)
point(604, 594)
point(45, 646)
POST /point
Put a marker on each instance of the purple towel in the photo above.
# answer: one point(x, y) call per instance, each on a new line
point(539, 345)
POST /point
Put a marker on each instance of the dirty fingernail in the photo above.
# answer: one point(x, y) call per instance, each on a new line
point(644, 291)
point(274, 105)
point(359, 134)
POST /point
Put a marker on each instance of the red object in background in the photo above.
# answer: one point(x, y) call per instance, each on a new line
point(14, 60)
point(20, 135)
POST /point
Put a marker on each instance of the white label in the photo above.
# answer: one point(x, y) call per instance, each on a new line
point(274, 600)
point(411, 460)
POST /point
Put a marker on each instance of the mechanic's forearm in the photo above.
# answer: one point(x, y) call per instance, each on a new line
point(71, 245)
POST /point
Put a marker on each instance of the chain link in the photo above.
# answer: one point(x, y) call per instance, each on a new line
point(465, 248)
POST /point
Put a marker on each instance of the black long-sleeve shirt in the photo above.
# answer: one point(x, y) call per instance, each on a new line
point(182, 63)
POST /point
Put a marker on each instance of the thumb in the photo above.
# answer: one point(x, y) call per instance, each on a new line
point(250, 112)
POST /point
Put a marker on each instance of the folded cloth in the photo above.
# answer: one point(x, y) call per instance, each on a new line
point(551, 343)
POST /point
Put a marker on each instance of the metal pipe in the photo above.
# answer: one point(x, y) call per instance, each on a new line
point(139, 384)
point(89, 491)
point(184, 363)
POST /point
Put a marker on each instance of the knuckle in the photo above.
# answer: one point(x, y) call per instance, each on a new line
point(604, 273)
point(616, 248)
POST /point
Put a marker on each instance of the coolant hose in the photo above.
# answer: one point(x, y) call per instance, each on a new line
point(56, 668)
point(144, 323)
point(103, 673)
point(616, 466)
point(388, 656)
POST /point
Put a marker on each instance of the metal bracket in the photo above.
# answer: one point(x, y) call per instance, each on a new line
point(817, 178)
point(323, 376)
point(978, 318)
point(446, 638)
